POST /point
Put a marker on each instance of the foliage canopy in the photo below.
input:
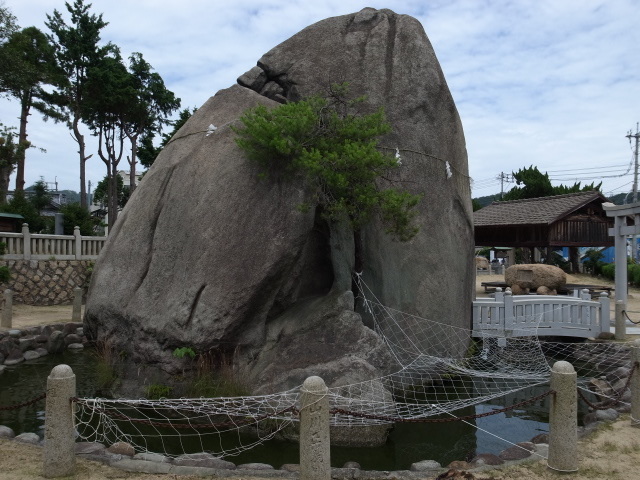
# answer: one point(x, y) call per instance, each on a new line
point(331, 145)
point(531, 183)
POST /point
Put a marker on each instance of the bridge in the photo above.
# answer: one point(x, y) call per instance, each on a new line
point(542, 315)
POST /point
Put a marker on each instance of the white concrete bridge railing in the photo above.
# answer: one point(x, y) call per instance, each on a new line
point(551, 315)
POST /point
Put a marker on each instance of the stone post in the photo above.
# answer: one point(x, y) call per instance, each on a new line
point(315, 460)
point(7, 310)
point(563, 419)
point(77, 305)
point(78, 242)
point(59, 459)
point(621, 324)
point(605, 312)
point(26, 242)
point(635, 383)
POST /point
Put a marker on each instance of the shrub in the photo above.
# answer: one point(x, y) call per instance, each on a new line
point(609, 271)
point(593, 261)
point(156, 391)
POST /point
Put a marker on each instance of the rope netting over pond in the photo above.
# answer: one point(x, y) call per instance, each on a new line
point(433, 383)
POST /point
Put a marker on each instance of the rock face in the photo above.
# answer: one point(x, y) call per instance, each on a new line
point(207, 255)
point(530, 277)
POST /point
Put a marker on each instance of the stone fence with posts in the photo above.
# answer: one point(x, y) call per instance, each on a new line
point(315, 412)
point(35, 246)
point(45, 269)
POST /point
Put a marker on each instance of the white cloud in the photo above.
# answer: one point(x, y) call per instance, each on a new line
point(546, 83)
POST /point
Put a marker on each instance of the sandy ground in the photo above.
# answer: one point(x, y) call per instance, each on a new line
point(612, 453)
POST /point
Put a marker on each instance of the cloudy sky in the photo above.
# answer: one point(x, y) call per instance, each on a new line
point(551, 83)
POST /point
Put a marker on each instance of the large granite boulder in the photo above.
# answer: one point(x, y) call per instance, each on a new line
point(208, 255)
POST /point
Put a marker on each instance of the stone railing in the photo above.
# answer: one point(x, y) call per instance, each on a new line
point(34, 246)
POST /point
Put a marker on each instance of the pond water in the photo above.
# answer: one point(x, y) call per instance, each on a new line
point(407, 443)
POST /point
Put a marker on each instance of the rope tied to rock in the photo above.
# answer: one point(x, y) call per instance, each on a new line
point(613, 401)
point(24, 404)
point(389, 419)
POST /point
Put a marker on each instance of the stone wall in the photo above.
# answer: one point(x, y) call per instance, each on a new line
point(46, 282)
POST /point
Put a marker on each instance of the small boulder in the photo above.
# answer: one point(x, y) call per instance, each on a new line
point(203, 460)
point(75, 346)
point(606, 336)
point(546, 291)
point(486, 459)
point(425, 465)
point(72, 338)
point(608, 415)
point(540, 438)
point(254, 466)
point(518, 451)
point(460, 465)
point(27, 343)
point(152, 457)
point(482, 263)
point(122, 448)
point(6, 432)
point(15, 356)
point(89, 448)
point(517, 290)
point(31, 438)
point(31, 355)
point(55, 344)
point(352, 465)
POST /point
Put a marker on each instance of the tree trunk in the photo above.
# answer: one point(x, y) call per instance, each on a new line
point(5, 173)
point(79, 138)
point(574, 259)
point(132, 164)
point(22, 140)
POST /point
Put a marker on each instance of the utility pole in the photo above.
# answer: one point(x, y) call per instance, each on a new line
point(634, 248)
point(503, 177)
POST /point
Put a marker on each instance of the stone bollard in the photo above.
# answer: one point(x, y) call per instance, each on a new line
point(76, 316)
point(563, 419)
point(59, 457)
point(621, 324)
point(315, 459)
point(635, 383)
point(7, 310)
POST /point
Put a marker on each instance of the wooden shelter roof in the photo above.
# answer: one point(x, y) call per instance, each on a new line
point(534, 211)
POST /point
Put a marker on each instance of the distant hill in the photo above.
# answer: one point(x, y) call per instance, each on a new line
point(487, 199)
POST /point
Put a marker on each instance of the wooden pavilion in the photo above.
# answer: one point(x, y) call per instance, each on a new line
point(570, 220)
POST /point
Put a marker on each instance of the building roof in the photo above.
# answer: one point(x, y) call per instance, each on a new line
point(11, 215)
point(534, 211)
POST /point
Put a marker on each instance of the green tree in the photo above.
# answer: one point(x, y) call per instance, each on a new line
point(8, 23)
point(153, 105)
point(147, 152)
point(74, 215)
point(77, 50)
point(21, 205)
point(10, 152)
point(101, 192)
point(531, 183)
point(112, 96)
point(29, 66)
point(329, 144)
